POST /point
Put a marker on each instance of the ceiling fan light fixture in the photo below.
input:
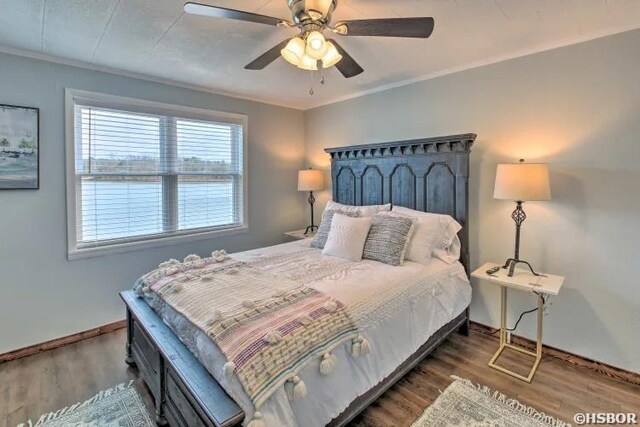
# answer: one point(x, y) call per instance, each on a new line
point(316, 45)
point(294, 51)
point(312, 18)
point(308, 63)
point(331, 57)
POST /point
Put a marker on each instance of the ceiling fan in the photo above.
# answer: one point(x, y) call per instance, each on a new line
point(310, 49)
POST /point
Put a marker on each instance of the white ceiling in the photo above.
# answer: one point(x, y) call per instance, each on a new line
point(155, 38)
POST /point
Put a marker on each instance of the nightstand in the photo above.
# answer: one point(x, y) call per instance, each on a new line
point(522, 280)
point(299, 234)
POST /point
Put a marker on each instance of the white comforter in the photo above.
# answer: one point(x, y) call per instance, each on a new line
point(394, 314)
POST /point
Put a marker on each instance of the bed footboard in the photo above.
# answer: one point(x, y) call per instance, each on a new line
point(185, 394)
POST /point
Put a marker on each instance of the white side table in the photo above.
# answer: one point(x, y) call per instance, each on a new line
point(299, 234)
point(522, 280)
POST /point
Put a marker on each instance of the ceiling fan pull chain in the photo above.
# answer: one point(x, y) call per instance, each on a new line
point(322, 76)
point(311, 91)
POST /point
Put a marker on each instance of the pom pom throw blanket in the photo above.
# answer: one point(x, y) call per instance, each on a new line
point(268, 327)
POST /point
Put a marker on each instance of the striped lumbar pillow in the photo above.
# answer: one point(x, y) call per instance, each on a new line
point(389, 238)
point(321, 236)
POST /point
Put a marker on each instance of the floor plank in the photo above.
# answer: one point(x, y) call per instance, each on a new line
point(57, 378)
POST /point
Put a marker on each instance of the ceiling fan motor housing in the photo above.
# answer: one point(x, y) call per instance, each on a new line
point(306, 11)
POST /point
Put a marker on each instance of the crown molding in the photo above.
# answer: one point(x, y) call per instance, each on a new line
point(488, 61)
point(333, 100)
point(139, 76)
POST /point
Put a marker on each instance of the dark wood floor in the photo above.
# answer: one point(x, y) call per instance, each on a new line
point(49, 381)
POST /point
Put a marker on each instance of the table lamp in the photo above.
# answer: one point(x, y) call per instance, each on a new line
point(310, 180)
point(521, 182)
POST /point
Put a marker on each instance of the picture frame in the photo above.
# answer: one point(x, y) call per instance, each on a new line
point(19, 147)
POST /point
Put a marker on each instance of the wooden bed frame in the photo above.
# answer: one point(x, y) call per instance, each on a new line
point(429, 174)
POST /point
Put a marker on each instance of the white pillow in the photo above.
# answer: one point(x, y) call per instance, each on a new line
point(347, 237)
point(362, 210)
point(450, 253)
point(434, 235)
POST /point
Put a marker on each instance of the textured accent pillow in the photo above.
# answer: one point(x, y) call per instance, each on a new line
point(434, 236)
point(370, 210)
point(347, 236)
point(320, 238)
point(389, 238)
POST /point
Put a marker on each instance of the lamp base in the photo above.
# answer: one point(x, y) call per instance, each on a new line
point(310, 229)
point(518, 217)
point(511, 264)
point(311, 201)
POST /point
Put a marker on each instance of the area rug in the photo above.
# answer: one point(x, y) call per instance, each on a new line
point(120, 406)
point(466, 404)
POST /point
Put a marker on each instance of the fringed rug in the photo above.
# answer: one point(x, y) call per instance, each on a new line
point(120, 406)
point(466, 404)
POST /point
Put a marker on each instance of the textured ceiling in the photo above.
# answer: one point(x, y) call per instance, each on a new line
point(155, 38)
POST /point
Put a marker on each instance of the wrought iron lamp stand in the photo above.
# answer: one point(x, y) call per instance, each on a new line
point(312, 227)
point(518, 216)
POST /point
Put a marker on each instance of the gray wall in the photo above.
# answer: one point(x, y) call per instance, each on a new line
point(577, 108)
point(44, 296)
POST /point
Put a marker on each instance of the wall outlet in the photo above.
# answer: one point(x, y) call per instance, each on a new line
point(508, 337)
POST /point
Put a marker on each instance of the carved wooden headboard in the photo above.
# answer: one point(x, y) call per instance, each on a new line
point(430, 175)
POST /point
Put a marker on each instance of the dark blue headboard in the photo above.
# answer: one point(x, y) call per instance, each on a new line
point(430, 175)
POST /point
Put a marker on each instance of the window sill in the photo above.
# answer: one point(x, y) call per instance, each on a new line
point(117, 248)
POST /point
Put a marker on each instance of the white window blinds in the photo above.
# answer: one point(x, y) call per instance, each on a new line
point(142, 175)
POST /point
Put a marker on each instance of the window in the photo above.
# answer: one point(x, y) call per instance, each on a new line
point(140, 172)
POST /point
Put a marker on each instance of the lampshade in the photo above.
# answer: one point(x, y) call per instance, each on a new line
point(316, 45)
point(310, 180)
point(332, 57)
point(294, 51)
point(522, 182)
point(308, 63)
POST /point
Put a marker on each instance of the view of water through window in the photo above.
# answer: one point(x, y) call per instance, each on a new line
point(116, 209)
point(144, 175)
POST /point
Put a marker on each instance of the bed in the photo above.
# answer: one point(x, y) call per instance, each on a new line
point(183, 368)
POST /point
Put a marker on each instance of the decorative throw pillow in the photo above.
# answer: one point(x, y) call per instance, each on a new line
point(389, 238)
point(320, 238)
point(434, 236)
point(370, 210)
point(347, 236)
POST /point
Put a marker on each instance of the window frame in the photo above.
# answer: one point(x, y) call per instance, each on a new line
point(100, 100)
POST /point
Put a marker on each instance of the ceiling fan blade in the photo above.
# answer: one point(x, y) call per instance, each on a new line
point(347, 66)
point(390, 27)
point(266, 58)
point(221, 12)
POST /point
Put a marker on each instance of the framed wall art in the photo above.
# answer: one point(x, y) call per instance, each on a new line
point(19, 148)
